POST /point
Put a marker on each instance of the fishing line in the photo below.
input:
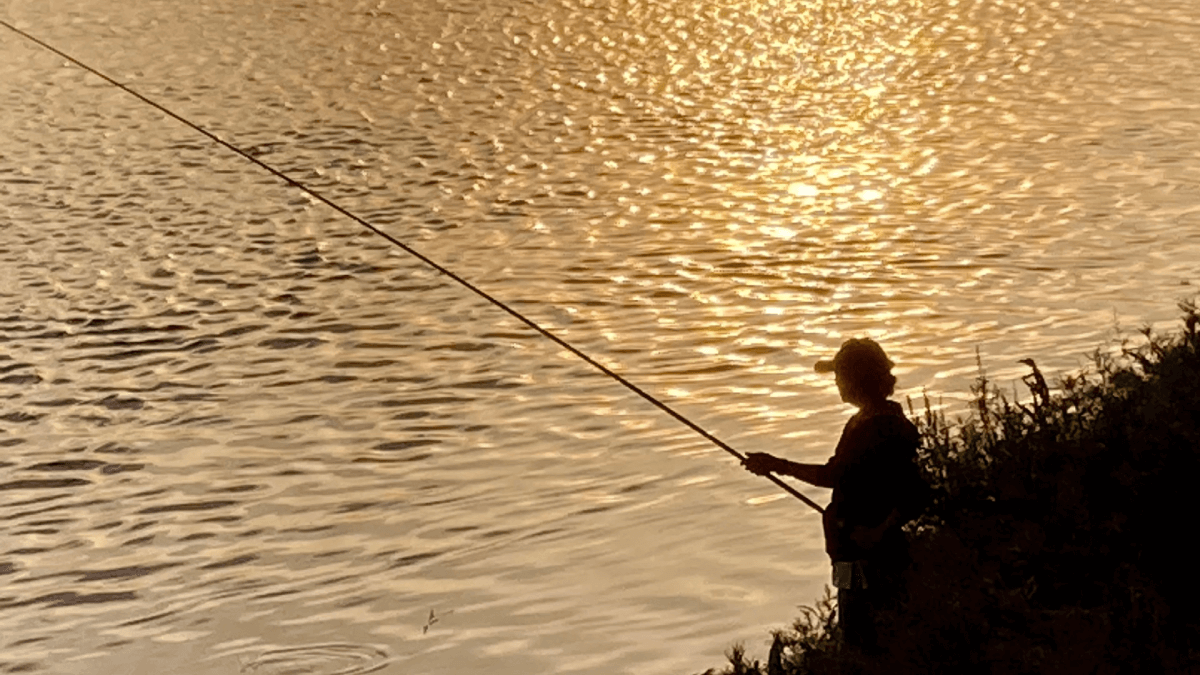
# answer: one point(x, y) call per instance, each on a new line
point(416, 254)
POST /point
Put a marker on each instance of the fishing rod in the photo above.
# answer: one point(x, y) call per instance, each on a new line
point(416, 254)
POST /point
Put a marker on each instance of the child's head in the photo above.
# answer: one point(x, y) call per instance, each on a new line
point(863, 371)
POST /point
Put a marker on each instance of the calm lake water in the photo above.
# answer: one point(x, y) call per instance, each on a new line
point(244, 435)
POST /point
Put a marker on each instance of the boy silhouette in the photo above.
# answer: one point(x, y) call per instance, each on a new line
point(877, 488)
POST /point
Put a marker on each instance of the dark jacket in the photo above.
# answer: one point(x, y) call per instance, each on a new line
point(872, 472)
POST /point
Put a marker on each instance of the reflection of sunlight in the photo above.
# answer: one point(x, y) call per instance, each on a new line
point(803, 190)
point(808, 136)
point(765, 499)
point(778, 232)
point(824, 128)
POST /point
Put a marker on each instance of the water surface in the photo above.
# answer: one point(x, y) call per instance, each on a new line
point(243, 434)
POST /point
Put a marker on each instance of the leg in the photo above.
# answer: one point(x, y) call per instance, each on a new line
point(854, 619)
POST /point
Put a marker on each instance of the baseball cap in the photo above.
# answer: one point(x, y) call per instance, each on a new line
point(856, 354)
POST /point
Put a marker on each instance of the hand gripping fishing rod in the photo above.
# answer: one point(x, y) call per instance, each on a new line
point(416, 254)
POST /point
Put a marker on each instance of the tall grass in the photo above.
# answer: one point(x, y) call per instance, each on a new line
point(1059, 536)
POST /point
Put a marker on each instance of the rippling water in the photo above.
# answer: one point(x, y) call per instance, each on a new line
point(242, 434)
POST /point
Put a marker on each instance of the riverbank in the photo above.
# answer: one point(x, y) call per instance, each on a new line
point(1057, 540)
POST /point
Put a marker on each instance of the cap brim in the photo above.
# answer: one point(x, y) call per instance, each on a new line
point(824, 366)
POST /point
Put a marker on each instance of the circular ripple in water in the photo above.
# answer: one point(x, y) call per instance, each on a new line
point(326, 659)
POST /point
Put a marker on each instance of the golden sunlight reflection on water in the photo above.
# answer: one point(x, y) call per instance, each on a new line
point(265, 436)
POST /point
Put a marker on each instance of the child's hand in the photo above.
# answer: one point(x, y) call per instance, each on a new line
point(761, 463)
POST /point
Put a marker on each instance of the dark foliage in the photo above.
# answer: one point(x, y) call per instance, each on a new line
point(1058, 537)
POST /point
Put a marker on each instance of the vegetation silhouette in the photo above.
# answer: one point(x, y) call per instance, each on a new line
point(1056, 539)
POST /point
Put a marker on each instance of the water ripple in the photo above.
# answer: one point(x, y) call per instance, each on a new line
point(322, 659)
point(233, 420)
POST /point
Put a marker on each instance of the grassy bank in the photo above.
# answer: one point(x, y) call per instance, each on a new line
point(1060, 534)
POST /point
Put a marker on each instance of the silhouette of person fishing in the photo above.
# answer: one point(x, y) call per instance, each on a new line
point(877, 489)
